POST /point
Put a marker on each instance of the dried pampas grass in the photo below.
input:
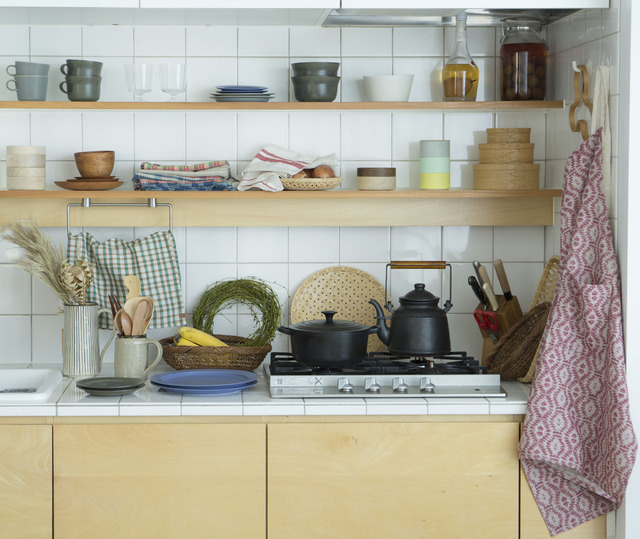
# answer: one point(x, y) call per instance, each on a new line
point(40, 257)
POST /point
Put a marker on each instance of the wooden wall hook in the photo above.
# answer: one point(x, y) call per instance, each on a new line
point(581, 95)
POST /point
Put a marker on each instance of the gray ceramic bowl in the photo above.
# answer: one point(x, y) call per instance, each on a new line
point(315, 88)
point(303, 69)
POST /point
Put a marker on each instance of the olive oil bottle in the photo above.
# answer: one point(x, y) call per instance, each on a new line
point(460, 74)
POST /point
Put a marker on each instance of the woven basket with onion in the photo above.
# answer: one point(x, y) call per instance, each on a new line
point(241, 353)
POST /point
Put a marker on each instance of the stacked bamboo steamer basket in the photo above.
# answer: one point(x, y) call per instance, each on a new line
point(506, 161)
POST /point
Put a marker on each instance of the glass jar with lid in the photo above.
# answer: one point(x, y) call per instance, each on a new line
point(523, 61)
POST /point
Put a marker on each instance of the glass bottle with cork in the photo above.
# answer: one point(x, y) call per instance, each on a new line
point(460, 74)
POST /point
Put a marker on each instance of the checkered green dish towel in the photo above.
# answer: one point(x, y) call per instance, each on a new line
point(153, 259)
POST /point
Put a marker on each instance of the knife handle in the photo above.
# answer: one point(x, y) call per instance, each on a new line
point(493, 301)
point(502, 277)
point(484, 275)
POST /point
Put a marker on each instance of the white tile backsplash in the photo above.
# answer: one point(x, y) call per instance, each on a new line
point(262, 55)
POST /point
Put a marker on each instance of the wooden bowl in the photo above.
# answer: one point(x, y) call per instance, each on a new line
point(98, 164)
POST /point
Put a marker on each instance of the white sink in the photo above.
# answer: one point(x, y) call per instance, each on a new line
point(27, 385)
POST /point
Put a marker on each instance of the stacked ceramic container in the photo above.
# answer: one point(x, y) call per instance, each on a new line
point(506, 161)
point(26, 167)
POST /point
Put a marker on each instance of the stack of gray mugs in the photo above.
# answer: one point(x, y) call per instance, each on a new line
point(82, 80)
point(29, 80)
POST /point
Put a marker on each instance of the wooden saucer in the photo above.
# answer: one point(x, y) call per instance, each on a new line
point(93, 185)
point(81, 179)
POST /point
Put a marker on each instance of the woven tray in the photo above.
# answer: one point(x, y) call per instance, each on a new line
point(343, 289)
point(242, 358)
point(544, 292)
point(514, 352)
point(310, 184)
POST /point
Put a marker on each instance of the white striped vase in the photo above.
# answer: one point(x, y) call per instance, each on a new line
point(81, 355)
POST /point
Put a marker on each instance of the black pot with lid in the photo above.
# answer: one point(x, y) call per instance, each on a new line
point(329, 343)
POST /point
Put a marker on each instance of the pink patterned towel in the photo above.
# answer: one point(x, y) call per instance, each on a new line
point(578, 446)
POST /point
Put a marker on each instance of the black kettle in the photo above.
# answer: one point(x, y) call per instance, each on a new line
point(419, 327)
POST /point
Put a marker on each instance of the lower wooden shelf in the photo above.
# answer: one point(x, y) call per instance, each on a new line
point(286, 208)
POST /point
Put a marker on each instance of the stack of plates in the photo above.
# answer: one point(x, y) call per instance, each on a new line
point(205, 381)
point(104, 386)
point(242, 93)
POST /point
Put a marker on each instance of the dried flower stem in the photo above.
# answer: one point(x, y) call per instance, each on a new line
point(40, 256)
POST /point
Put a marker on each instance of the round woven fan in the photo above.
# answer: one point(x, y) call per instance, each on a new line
point(345, 290)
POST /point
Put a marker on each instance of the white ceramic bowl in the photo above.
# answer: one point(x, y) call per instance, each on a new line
point(388, 87)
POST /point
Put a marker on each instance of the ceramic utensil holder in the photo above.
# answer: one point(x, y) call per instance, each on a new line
point(131, 356)
point(26, 168)
point(508, 313)
point(435, 164)
point(81, 355)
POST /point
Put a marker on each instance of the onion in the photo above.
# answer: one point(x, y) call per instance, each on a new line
point(323, 171)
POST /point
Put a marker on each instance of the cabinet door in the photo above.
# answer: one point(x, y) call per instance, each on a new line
point(160, 480)
point(381, 480)
point(240, 4)
point(70, 3)
point(436, 5)
point(25, 481)
point(532, 525)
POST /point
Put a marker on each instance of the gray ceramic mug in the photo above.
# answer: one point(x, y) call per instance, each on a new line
point(29, 87)
point(27, 68)
point(81, 68)
point(81, 88)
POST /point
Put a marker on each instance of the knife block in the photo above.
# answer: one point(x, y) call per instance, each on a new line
point(508, 313)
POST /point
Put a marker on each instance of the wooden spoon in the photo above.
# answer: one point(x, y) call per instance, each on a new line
point(131, 305)
point(127, 324)
point(140, 317)
point(117, 321)
point(149, 315)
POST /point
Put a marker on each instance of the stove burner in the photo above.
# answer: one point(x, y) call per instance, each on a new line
point(283, 363)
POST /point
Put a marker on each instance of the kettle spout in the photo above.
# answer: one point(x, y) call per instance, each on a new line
point(383, 333)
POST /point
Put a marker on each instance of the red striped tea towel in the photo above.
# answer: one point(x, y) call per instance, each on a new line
point(272, 163)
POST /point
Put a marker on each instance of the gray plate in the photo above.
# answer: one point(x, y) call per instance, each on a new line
point(104, 386)
point(241, 98)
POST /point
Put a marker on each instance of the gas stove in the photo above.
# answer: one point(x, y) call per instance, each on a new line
point(383, 375)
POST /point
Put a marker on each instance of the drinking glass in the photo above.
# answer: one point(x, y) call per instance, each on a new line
point(173, 79)
point(139, 79)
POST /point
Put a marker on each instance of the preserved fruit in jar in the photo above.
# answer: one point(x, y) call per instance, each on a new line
point(523, 61)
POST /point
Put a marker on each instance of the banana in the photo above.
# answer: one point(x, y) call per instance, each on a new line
point(181, 341)
point(200, 338)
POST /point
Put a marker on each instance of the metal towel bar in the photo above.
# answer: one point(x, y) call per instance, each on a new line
point(151, 203)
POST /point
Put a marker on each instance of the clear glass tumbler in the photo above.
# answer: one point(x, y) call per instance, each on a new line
point(139, 79)
point(173, 79)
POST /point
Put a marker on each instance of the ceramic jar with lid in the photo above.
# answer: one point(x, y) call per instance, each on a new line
point(523, 61)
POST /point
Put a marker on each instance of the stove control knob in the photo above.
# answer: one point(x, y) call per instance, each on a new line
point(426, 386)
point(344, 385)
point(371, 386)
point(399, 386)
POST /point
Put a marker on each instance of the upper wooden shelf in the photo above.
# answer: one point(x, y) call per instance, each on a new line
point(276, 105)
point(285, 208)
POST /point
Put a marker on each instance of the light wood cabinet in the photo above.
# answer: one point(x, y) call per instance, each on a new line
point(381, 480)
point(533, 527)
point(160, 480)
point(25, 481)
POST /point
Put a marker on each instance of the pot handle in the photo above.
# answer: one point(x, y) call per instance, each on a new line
point(285, 330)
point(419, 264)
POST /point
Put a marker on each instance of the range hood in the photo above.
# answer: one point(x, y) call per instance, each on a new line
point(438, 17)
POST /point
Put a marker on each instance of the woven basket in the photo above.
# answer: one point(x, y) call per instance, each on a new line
point(241, 358)
point(544, 293)
point(514, 352)
point(310, 184)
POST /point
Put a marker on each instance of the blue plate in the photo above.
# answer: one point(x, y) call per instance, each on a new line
point(199, 391)
point(242, 88)
point(205, 379)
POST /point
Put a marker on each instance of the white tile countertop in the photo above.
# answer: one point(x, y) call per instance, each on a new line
point(70, 401)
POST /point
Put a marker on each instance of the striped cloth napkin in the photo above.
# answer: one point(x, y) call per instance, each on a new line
point(153, 259)
point(209, 176)
point(272, 163)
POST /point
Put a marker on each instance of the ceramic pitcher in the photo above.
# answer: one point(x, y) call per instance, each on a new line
point(81, 355)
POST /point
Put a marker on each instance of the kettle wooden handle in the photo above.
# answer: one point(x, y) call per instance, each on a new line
point(417, 264)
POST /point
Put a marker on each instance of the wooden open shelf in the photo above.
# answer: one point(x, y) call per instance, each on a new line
point(275, 105)
point(287, 208)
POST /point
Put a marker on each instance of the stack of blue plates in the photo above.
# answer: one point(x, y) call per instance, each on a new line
point(205, 381)
point(242, 93)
